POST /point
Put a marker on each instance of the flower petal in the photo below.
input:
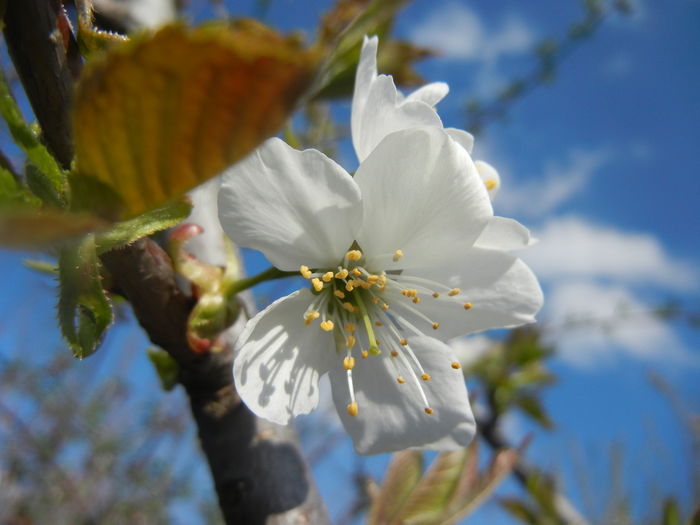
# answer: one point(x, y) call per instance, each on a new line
point(464, 139)
point(297, 207)
point(379, 109)
point(279, 360)
point(502, 292)
point(392, 416)
point(490, 176)
point(505, 234)
point(430, 94)
point(422, 195)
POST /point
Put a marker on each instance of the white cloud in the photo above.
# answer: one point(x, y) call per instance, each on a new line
point(572, 248)
point(459, 34)
point(591, 324)
point(558, 184)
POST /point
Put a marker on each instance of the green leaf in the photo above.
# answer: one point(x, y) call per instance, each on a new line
point(532, 406)
point(428, 500)
point(84, 311)
point(402, 476)
point(671, 514)
point(126, 232)
point(166, 367)
point(37, 154)
point(14, 194)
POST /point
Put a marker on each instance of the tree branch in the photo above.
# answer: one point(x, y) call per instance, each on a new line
point(257, 467)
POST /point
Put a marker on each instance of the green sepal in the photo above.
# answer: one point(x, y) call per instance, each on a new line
point(84, 310)
point(53, 185)
point(166, 367)
point(126, 232)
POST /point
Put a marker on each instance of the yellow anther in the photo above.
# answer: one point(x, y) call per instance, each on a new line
point(304, 271)
point(456, 365)
point(454, 291)
point(425, 377)
point(365, 353)
point(327, 325)
point(350, 341)
point(349, 307)
point(365, 285)
point(356, 272)
point(428, 411)
point(400, 380)
point(436, 325)
point(350, 327)
point(468, 306)
point(411, 293)
point(382, 280)
point(342, 274)
point(436, 294)
point(310, 316)
point(327, 277)
point(317, 284)
point(375, 300)
point(403, 342)
point(350, 286)
point(353, 409)
point(394, 353)
point(339, 294)
point(404, 292)
point(378, 323)
point(490, 184)
point(349, 363)
point(373, 279)
point(385, 306)
point(397, 255)
point(354, 255)
point(416, 300)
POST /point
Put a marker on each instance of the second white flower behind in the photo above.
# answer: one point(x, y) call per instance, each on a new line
point(399, 258)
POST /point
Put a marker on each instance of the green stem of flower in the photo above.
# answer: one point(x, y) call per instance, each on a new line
point(270, 274)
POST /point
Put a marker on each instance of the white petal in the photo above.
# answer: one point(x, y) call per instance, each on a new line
point(505, 234)
point(392, 416)
point(297, 207)
point(430, 94)
point(422, 195)
point(502, 290)
point(278, 360)
point(490, 176)
point(384, 112)
point(464, 139)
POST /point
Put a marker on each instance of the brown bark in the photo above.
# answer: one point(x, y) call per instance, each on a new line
point(258, 469)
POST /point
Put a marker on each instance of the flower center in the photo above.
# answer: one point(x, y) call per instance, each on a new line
point(370, 312)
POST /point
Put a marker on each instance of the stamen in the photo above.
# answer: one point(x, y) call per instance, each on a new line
point(436, 325)
point(354, 255)
point(456, 365)
point(327, 325)
point(339, 294)
point(416, 300)
point(428, 411)
point(356, 272)
point(403, 342)
point(317, 284)
point(468, 306)
point(365, 354)
point(377, 323)
point(353, 409)
point(304, 271)
point(350, 286)
point(375, 299)
point(397, 255)
point(350, 341)
point(490, 184)
point(436, 294)
point(349, 363)
point(425, 377)
point(400, 380)
point(349, 307)
point(327, 277)
point(373, 279)
point(394, 353)
point(350, 327)
point(385, 307)
point(342, 274)
point(310, 317)
point(454, 291)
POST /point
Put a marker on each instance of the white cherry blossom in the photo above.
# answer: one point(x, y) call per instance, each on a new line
point(398, 259)
point(378, 108)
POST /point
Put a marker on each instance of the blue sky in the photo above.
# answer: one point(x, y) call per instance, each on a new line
point(602, 165)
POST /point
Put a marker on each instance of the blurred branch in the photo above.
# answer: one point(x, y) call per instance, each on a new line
point(258, 470)
point(550, 54)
